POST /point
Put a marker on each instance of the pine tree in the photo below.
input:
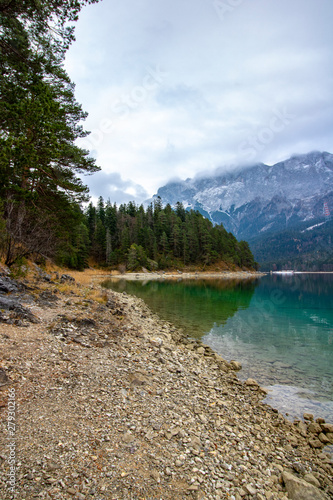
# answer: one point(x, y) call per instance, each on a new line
point(156, 237)
point(39, 121)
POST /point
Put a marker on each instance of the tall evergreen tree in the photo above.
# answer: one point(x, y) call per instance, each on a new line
point(158, 237)
point(39, 119)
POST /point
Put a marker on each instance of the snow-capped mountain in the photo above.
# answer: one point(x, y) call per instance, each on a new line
point(261, 199)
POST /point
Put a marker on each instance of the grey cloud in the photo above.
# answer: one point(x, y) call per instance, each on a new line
point(227, 72)
point(112, 186)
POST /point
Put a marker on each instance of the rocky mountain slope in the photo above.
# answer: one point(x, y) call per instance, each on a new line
point(262, 200)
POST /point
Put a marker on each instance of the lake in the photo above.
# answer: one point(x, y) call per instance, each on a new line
point(280, 327)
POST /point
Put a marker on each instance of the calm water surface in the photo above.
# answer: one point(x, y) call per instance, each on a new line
point(279, 327)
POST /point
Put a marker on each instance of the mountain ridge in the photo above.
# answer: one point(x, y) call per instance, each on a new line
point(259, 200)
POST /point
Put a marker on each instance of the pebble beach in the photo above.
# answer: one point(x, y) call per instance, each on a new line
point(114, 403)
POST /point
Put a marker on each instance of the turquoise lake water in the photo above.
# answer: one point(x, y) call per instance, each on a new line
point(280, 327)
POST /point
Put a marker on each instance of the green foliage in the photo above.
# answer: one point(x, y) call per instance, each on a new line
point(298, 248)
point(136, 257)
point(20, 269)
point(39, 124)
point(159, 237)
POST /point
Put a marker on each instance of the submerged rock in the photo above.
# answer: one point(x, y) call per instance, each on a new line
point(235, 365)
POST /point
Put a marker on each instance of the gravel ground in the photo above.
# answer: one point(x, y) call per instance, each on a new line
point(113, 403)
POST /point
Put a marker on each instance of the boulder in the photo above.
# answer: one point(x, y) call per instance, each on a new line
point(18, 311)
point(235, 365)
point(323, 438)
point(327, 427)
point(302, 428)
point(315, 443)
point(298, 489)
point(7, 285)
point(314, 428)
point(329, 436)
point(309, 478)
point(251, 382)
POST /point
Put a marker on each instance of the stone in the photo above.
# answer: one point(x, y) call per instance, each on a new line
point(128, 438)
point(156, 476)
point(308, 416)
point(327, 428)
point(7, 285)
point(251, 382)
point(298, 489)
point(323, 438)
point(3, 377)
point(19, 312)
point(315, 443)
point(235, 365)
point(201, 350)
point(67, 277)
point(138, 378)
point(329, 436)
point(314, 428)
point(302, 429)
point(219, 358)
point(293, 441)
point(156, 341)
point(168, 471)
point(309, 478)
point(250, 489)
point(299, 468)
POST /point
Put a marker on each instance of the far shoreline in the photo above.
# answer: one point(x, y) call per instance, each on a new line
point(143, 276)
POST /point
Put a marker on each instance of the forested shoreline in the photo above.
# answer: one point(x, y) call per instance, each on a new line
point(157, 237)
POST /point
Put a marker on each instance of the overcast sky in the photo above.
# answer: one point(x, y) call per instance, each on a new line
point(182, 87)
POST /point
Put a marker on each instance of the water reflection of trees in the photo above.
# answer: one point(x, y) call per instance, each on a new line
point(307, 282)
point(194, 305)
point(290, 317)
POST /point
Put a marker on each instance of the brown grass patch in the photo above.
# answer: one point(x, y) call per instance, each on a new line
point(88, 276)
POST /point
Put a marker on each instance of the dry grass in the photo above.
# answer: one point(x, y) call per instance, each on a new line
point(84, 284)
point(84, 280)
point(100, 296)
point(88, 276)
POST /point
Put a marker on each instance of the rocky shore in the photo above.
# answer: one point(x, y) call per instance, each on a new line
point(113, 403)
